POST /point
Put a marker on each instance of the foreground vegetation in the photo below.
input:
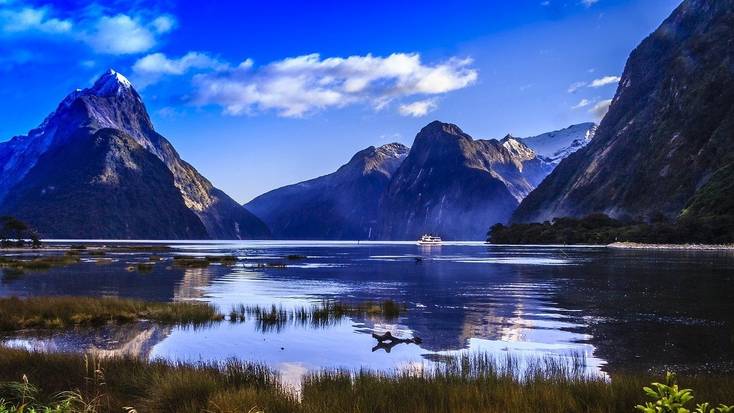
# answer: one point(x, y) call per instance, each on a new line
point(468, 384)
point(64, 312)
point(601, 229)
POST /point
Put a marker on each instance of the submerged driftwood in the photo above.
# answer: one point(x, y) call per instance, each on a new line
point(387, 341)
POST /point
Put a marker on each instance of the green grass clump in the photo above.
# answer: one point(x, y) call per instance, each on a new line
point(145, 266)
point(190, 262)
point(222, 259)
point(64, 312)
point(39, 263)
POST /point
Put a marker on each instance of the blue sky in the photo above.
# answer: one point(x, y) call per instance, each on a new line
point(257, 95)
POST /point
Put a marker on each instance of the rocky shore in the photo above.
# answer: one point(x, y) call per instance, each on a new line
point(687, 247)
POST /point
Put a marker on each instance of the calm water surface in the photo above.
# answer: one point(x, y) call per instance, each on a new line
point(619, 309)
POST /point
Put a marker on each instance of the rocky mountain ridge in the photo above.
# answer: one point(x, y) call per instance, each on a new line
point(113, 104)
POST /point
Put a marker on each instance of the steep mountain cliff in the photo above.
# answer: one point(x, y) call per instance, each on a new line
point(670, 126)
point(341, 205)
point(455, 186)
point(149, 190)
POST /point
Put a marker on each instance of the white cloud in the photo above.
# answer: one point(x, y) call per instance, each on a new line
point(106, 34)
point(158, 63)
point(576, 86)
point(589, 3)
point(601, 108)
point(606, 80)
point(120, 34)
point(418, 108)
point(163, 24)
point(296, 86)
point(28, 20)
point(152, 67)
point(581, 104)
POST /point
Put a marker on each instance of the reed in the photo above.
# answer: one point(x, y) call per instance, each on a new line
point(327, 313)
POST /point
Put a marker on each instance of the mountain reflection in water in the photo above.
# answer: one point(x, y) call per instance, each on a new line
point(462, 297)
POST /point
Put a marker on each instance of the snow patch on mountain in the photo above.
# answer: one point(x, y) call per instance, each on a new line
point(557, 145)
point(517, 148)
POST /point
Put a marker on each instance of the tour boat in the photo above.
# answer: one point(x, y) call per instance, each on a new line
point(429, 240)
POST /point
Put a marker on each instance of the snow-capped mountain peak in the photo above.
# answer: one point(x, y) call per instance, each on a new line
point(109, 84)
point(517, 148)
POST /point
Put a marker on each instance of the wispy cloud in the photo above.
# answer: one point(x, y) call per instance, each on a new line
point(29, 20)
point(583, 103)
point(589, 3)
point(602, 81)
point(296, 86)
point(117, 33)
point(576, 86)
point(150, 68)
point(601, 108)
point(418, 108)
point(606, 80)
point(122, 34)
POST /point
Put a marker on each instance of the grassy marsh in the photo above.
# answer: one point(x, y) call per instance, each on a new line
point(476, 383)
point(64, 312)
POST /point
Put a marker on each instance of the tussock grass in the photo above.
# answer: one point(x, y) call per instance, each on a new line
point(476, 383)
point(156, 386)
point(190, 262)
point(203, 262)
point(63, 312)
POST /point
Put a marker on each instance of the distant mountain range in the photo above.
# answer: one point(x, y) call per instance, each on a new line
point(96, 168)
point(447, 183)
point(665, 146)
point(341, 205)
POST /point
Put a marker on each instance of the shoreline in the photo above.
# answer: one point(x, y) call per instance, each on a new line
point(675, 247)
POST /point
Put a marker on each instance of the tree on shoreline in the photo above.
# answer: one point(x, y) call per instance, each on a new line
point(16, 233)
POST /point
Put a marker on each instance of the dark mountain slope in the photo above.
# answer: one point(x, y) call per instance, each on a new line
point(451, 185)
point(109, 193)
point(669, 128)
point(341, 205)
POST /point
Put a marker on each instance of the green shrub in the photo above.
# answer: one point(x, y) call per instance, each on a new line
point(669, 398)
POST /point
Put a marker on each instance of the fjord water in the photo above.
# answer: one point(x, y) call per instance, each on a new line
point(618, 309)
